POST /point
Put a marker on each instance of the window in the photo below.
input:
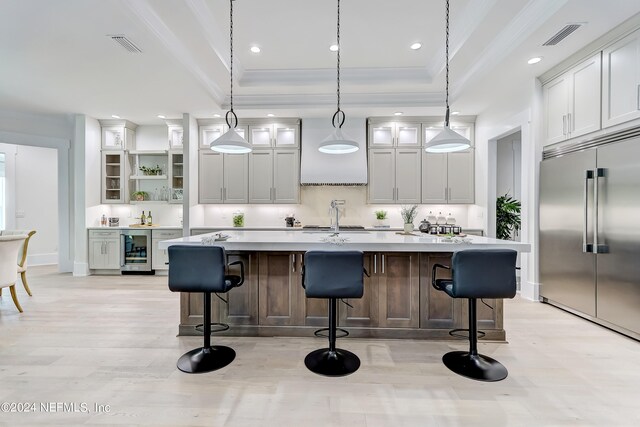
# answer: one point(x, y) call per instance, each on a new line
point(2, 193)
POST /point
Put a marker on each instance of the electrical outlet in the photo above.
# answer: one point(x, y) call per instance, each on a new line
point(20, 214)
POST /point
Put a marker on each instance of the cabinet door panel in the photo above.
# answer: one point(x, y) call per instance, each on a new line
point(585, 98)
point(112, 261)
point(210, 133)
point(408, 171)
point(236, 175)
point(382, 135)
point(408, 135)
point(621, 81)
point(381, 176)
point(243, 301)
point(286, 136)
point(434, 177)
point(556, 106)
point(96, 254)
point(210, 177)
point(460, 177)
point(261, 136)
point(279, 289)
point(261, 176)
point(398, 284)
point(286, 176)
point(365, 310)
point(437, 309)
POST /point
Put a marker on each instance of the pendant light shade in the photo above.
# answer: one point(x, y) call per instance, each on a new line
point(338, 142)
point(448, 140)
point(231, 142)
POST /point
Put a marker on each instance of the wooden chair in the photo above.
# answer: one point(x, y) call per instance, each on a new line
point(9, 248)
point(22, 254)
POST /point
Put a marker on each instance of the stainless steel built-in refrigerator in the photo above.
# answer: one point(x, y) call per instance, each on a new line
point(590, 231)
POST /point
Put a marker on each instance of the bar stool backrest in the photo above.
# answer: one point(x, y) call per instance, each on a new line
point(484, 273)
point(333, 274)
point(197, 268)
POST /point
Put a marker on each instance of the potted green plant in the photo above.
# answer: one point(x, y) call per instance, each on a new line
point(381, 218)
point(507, 217)
point(139, 196)
point(157, 170)
point(238, 219)
point(408, 214)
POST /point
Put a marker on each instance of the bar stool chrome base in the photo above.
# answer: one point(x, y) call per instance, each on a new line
point(203, 359)
point(329, 363)
point(475, 366)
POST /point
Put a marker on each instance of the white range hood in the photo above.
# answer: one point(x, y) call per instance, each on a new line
point(318, 168)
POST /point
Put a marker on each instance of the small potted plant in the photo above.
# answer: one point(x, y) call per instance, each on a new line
point(408, 214)
point(381, 218)
point(157, 170)
point(139, 196)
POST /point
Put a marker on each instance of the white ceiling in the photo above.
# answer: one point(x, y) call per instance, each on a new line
point(55, 56)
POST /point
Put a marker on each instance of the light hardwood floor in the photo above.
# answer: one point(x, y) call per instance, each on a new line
point(112, 341)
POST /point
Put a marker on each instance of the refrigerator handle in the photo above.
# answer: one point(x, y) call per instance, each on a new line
point(586, 247)
point(599, 248)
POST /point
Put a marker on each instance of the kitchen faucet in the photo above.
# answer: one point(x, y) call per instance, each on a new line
point(334, 205)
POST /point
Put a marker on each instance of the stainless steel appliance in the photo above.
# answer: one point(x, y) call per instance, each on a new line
point(590, 230)
point(135, 251)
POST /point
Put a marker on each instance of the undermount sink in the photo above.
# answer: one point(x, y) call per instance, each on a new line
point(328, 231)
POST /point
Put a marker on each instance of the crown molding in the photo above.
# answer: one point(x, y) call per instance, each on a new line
point(409, 99)
point(352, 76)
point(528, 20)
point(145, 13)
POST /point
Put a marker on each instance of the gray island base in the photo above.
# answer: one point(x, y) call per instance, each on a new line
point(398, 300)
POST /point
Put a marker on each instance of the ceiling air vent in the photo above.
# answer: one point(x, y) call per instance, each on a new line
point(125, 43)
point(562, 34)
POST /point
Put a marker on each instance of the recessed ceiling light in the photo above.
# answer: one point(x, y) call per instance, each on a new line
point(416, 46)
point(115, 116)
point(160, 116)
point(270, 115)
point(397, 113)
point(333, 48)
point(216, 115)
point(534, 60)
point(455, 113)
point(255, 49)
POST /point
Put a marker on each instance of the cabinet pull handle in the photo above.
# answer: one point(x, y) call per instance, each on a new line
point(449, 194)
point(375, 264)
point(382, 263)
point(221, 195)
point(564, 124)
point(570, 125)
point(638, 97)
point(293, 263)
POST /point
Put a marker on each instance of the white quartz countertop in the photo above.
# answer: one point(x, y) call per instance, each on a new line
point(367, 241)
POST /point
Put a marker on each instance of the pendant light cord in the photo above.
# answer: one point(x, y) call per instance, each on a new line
point(231, 112)
point(446, 49)
point(339, 113)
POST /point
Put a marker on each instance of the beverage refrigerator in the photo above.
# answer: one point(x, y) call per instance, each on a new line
point(590, 230)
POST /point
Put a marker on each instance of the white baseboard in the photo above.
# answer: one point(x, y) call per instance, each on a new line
point(530, 290)
point(42, 259)
point(80, 269)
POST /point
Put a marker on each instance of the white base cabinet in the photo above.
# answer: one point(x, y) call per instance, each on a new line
point(104, 249)
point(160, 257)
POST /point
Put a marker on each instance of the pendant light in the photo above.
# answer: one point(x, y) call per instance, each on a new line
point(448, 140)
point(338, 142)
point(231, 142)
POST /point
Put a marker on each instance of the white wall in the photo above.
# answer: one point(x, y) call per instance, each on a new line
point(34, 198)
point(491, 126)
point(508, 170)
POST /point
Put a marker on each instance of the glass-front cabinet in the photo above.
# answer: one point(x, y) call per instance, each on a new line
point(176, 176)
point(118, 135)
point(275, 135)
point(394, 134)
point(114, 182)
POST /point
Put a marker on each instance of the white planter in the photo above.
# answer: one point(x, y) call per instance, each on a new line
point(408, 228)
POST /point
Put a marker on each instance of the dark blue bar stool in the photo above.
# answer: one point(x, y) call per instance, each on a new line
point(202, 269)
point(477, 273)
point(333, 275)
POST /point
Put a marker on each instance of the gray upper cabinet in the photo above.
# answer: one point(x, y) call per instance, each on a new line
point(261, 176)
point(286, 176)
point(223, 178)
point(448, 177)
point(394, 175)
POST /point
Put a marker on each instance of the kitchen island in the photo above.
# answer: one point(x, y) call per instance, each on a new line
point(398, 300)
